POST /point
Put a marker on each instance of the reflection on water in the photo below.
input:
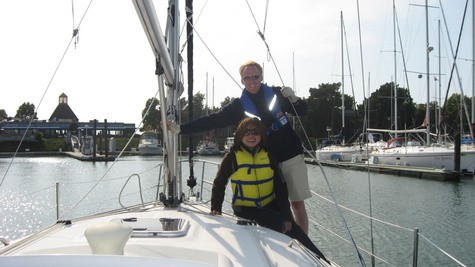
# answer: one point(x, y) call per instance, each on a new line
point(444, 212)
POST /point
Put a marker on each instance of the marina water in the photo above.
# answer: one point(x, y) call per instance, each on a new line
point(444, 212)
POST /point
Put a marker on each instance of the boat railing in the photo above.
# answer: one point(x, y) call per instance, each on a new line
point(203, 181)
point(416, 234)
point(206, 183)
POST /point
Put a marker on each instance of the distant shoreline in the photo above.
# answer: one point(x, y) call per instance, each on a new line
point(24, 154)
point(59, 154)
point(32, 154)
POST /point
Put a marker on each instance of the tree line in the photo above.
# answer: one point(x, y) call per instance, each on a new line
point(25, 111)
point(324, 116)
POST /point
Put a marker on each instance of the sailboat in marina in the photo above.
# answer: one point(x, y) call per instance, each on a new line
point(335, 148)
point(208, 145)
point(417, 147)
point(173, 229)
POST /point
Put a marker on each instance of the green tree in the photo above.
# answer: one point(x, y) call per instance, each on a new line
point(229, 131)
point(3, 115)
point(325, 112)
point(420, 114)
point(226, 101)
point(26, 111)
point(382, 108)
point(322, 105)
point(198, 107)
point(454, 114)
point(151, 121)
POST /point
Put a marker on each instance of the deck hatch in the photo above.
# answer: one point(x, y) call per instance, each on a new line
point(156, 227)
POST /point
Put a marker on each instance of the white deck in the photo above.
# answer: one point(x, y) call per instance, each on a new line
point(208, 241)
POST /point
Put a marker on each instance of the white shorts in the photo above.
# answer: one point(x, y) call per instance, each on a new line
point(294, 171)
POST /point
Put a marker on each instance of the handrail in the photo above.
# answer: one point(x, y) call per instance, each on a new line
point(415, 231)
point(140, 190)
point(204, 182)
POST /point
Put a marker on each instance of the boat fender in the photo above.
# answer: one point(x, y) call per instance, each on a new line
point(108, 238)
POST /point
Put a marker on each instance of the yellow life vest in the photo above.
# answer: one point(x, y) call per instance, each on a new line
point(252, 183)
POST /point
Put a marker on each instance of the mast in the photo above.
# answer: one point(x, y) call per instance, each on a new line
point(473, 67)
point(146, 13)
point(395, 69)
point(167, 60)
point(368, 106)
point(342, 82)
point(172, 103)
point(427, 76)
point(206, 95)
point(365, 125)
point(439, 121)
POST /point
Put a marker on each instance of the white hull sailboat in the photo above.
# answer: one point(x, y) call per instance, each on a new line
point(410, 151)
point(338, 150)
point(173, 230)
point(414, 154)
point(338, 153)
point(414, 150)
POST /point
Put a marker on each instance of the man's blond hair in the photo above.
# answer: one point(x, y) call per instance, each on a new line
point(250, 63)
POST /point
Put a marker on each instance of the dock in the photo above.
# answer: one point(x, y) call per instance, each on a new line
point(412, 171)
point(75, 155)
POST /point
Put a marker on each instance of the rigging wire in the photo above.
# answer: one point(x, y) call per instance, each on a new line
point(402, 50)
point(195, 31)
point(116, 159)
point(454, 65)
point(192, 25)
point(75, 32)
point(215, 58)
point(363, 131)
point(265, 17)
point(261, 34)
point(359, 257)
point(351, 73)
point(338, 209)
point(361, 46)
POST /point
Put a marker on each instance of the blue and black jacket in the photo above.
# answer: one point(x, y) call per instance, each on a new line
point(283, 143)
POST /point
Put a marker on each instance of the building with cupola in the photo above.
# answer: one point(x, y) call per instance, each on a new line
point(63, 113)
point(62, 122)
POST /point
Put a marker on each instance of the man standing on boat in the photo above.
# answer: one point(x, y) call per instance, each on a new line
point(269, 104)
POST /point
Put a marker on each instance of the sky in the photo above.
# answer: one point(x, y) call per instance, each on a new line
point(108, 72)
